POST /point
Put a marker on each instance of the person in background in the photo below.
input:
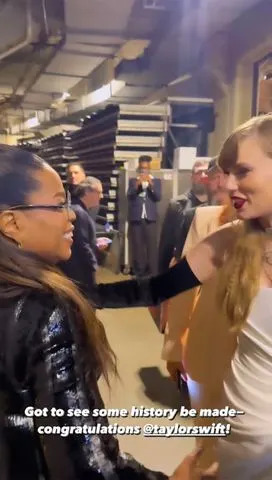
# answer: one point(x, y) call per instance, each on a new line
point(82, 264)
point(144, 192)
point(217, 195)
point(216, 184)
point(75, 173)
point(178, 219)
point(52, 347)
point(95, 196)
point(195, 197)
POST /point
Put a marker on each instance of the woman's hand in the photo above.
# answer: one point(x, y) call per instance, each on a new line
point(188, 469)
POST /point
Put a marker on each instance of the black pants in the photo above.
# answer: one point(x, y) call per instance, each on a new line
point(143, 245)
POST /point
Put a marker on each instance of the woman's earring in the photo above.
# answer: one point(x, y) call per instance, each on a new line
point(19, 245)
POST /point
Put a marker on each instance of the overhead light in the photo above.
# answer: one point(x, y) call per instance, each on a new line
point(104, 93)
point(32, 122)
point(181, 79)
point(65, 95)
point(58, 102)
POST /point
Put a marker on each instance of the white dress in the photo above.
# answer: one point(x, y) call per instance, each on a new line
point(246, 454)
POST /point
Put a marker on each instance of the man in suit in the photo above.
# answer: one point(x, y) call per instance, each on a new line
point(197, 196)
point(82, 264)
point(95, 195)
point(144, 192)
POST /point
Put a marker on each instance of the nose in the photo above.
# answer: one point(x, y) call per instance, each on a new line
point(231, 183)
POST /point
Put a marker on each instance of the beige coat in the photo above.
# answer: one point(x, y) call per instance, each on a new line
point(177, 312)
point(197, 332)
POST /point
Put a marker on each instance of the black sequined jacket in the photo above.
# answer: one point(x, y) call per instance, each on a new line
point(40, 366)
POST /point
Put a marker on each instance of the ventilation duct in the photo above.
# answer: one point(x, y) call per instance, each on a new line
point(16, 28)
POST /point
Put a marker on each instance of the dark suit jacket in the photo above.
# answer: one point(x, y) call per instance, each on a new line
point(82, 264)
point(136, 201)
point(171, 227)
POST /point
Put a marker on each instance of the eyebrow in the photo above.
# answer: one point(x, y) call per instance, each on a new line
point(242, 165)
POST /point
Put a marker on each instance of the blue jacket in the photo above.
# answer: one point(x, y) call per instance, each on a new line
point(83, 263)
point(136, 200)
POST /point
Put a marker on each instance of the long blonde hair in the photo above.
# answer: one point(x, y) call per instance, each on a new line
point(22, 273)
point(239, 279)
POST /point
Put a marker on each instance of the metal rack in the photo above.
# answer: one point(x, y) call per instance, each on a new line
point(55, 151)
point(107, 144)
point(109, 139)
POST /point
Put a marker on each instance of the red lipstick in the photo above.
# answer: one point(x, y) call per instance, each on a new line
point(238, 202)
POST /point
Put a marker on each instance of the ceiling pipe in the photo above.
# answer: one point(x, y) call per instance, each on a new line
point(27, 40)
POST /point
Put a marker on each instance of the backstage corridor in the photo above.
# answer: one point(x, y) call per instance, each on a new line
point(137, 343)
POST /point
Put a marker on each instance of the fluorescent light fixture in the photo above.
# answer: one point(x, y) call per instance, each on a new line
point(101, 95)
point(58, 103)
point(32, 122)
point(65, 95)
point(190, 100)
point(181, 79)
point(104, 93)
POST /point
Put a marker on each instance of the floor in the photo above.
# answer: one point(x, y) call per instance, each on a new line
point(144, 382)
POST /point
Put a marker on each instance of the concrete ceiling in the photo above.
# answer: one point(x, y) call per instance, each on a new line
point(76, 53)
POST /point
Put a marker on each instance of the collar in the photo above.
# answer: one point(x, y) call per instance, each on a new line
point(77, 201)
point(194, 198)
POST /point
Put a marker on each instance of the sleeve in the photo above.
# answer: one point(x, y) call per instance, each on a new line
point(133, 190)
point(167, 239)
point(155, 190)
point(149, 291)
point(85, 236)
point(81, 447)
point(183, 231)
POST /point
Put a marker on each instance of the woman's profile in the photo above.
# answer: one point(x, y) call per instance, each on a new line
point(52, 347)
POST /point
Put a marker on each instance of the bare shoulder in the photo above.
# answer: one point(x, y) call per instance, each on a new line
point(209, 254)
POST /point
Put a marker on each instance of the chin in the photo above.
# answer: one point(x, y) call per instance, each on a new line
point(246, 215)
point(65, 255)
point(242, 215)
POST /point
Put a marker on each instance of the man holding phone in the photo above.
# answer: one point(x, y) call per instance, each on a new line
point(144, 192)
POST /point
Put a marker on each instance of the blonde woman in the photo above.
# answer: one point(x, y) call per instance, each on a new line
point(241, 256)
